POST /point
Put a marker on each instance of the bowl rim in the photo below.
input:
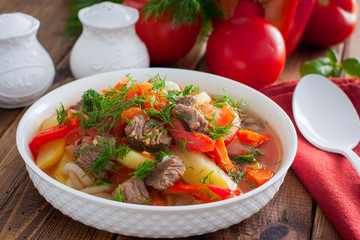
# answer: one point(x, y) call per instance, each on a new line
point(25, 153)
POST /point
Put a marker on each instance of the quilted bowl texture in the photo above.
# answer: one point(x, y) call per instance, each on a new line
point(155, 221)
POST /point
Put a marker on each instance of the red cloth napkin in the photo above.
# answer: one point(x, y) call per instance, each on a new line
point(329, 177)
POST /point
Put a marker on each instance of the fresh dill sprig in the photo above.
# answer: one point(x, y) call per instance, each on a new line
point(248, 158)
point(90, 100)
point(236, 174)
point(144, 169)
point(238, 105)
point(122, 151)
point(61, 115)
point(108, 151)
point(160, 155)
point(255, 152)
point(158, 83)
point(207, 178)
point(118, 196)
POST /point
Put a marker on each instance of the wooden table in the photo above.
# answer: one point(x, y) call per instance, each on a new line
point(24, 213)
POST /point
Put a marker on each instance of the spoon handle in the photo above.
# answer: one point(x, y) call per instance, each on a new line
point(353, 158)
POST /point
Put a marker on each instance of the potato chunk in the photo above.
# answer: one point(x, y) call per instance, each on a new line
point(198, 166)
point(202, 98)
point(49, 122)
point(133, 159)
point(50, 153)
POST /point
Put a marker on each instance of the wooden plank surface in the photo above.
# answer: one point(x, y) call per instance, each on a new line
point(25, 214)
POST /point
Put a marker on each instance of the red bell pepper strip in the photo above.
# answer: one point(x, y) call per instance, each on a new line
point(48, 135)
point(53, 133)
point(194, 141)
point(221, 156)
point(223, 193)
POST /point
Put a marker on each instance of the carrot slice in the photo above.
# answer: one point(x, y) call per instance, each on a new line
point(252, 138)
point(221, 156)
point(259, 176)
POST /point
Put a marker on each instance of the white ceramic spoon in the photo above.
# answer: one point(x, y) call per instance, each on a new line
point(326, 117)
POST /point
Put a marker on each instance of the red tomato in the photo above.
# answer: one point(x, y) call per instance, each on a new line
point(249, 50)
point(332, 22)
point(165, 43)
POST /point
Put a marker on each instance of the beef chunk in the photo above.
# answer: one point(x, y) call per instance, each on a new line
point(195, 121)
point(88, 150)
point(134, 191)
point(146, 135)
point(77, 106)
point(166, 173)
point(189, 100)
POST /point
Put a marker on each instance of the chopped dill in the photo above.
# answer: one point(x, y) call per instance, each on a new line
point(108, 152)
point(90, 101)
point(207, 178)
point(118, 196)
point(61, 115)
point(122, 151)
point(160, 155)
point(248, 158)
point(144, 169)
point(236, 174)
point(255, 152)
point(190, 89)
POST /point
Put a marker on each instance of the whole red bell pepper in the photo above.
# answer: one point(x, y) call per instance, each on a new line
point(332, 22)
point(289, 16)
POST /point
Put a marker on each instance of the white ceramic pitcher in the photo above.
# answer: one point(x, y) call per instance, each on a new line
point(108, 41)
point(26, 69)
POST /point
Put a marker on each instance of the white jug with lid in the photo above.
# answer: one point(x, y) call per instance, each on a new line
point(26, 69)
point(108, 41)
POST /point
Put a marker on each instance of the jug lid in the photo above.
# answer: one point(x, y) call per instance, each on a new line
point(17, 24)
point(108, 15)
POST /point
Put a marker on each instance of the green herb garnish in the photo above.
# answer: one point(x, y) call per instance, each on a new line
point(118, 196)
point(144, 169)
point(207, 178)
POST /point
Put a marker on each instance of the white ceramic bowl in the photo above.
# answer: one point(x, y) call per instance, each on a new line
point(155, 221)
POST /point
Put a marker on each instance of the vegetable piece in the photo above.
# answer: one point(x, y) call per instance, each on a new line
point(133, 159)
point(48, 135)
point(48, 123)
point(128, 114)
point(251, 41)
point(225, 117)
point(223, 193)
point(192, 141)
point(251, 138)
point(165, 42)
point(202, 98)
point(221, 156)
point(200, 168)
point(290, 17)
point(58, 174)
point(259, 176)
point(50, 153)
point(331, 22)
